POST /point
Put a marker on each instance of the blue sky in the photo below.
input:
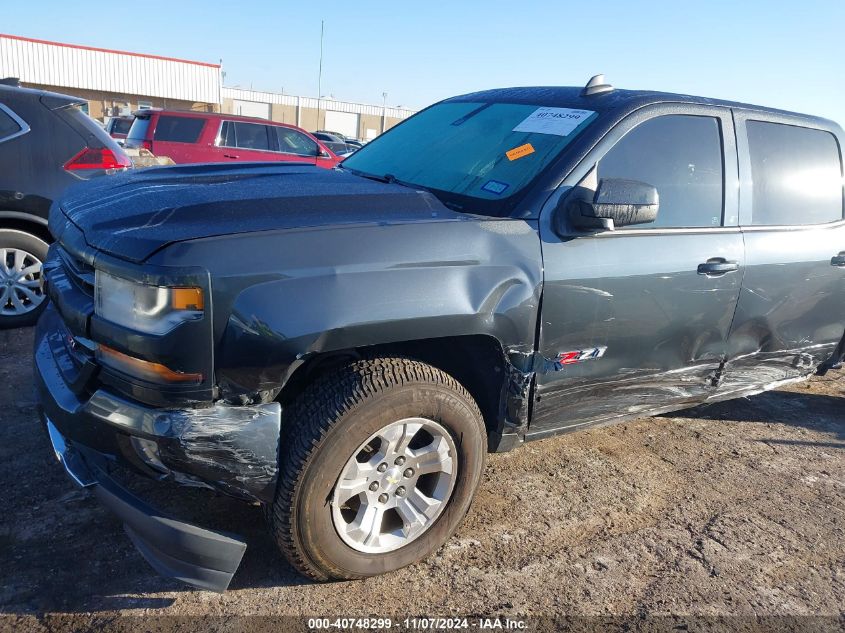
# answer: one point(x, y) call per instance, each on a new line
point(771, 52)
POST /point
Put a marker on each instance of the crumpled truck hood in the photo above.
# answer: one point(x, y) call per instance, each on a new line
point(134, 214)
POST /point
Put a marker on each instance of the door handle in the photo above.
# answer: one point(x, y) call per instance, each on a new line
point(717, 266)
point(838, 260)
point(230, 156)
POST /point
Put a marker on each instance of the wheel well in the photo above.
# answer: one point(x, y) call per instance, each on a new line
point(477, 362)
point(33, 228)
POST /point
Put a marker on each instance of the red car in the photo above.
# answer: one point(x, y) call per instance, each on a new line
point(118, 127)
point(207, 137)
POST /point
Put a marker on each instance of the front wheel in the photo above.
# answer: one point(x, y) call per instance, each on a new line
point(381, 462)
point(22, 296)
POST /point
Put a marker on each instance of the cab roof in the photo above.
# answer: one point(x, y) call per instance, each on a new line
point(618, 101)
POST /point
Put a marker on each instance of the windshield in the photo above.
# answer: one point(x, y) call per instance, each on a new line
point(475, 157)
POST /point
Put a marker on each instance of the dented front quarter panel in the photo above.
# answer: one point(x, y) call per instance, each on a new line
point(282, 296)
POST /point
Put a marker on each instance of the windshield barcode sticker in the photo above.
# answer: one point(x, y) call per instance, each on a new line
point(494, 186)
point(557, 121)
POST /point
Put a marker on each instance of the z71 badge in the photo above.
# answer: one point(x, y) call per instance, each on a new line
point(579, 356)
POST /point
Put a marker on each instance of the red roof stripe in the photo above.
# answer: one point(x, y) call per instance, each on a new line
point(108, 50)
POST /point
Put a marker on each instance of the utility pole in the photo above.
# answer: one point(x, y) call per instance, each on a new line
point(320, 75)
point(383, 111)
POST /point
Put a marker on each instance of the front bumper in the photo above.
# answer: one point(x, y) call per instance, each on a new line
point(230, 448)
point(199, 557)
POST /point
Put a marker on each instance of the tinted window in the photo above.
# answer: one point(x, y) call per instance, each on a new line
point(293, 142)
point(121, 126)
point(8, 125)
point(251, 136)
point(227, 135)
point(797, 174)
point(138, 131)
point(680, 155)
point(178, 129)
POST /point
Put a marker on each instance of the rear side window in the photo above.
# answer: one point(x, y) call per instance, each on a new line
point(178, 129)
point(9, 125)
point(680, 155)
point(797, 175)
point(293, 142)
point(138, 131)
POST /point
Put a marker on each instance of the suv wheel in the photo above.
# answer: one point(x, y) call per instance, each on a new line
point(381, 460)
point(22, 296)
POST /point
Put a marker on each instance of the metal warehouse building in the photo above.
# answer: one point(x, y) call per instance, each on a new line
point(112, 82)
point(351, 119)
point(118, 82)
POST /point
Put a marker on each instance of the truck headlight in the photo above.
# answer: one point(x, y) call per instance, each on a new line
point(150, 309)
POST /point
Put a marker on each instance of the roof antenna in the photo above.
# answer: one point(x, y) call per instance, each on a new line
point(596, 86)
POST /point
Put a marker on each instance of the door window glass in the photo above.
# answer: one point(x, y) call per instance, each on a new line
point(797, 175)
point(293, 142)
point(251, 136)
point(8, 126)
point(680, 155)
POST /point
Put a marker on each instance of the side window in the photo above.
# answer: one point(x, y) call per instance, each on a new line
point(293, 142)
point(227, 135)
point(178, 129)
point(797, 175)
point(680, 155)
point(251, 135)
point(9, 126)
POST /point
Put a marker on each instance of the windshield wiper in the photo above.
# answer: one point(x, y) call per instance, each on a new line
point(390, 179)
point(393, 180)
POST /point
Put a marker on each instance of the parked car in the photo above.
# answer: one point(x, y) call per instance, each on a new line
point(343, 347)
point(207, 137)
point(47, 143)
point(352, 142)
point(118, 127)
point(335, 143)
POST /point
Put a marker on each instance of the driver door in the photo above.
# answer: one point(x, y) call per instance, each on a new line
point(632, 322)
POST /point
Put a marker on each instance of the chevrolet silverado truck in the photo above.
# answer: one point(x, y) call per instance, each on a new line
point(344, 346)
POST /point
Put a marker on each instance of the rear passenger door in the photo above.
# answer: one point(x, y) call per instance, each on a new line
point(631, 319)
point(245, 141)
point(791, 312)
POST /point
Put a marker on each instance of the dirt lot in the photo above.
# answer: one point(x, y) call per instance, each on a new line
point(733, 509)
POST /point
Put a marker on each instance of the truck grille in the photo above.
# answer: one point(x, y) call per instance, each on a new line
point(80, 273)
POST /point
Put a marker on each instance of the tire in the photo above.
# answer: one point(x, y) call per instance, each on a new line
point(330, 421)
point(23, 311)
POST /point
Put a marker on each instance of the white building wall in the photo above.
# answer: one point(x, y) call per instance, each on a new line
point(64, 65)
point(240, 94)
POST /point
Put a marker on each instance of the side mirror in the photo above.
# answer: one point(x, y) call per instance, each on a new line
point(616, 202)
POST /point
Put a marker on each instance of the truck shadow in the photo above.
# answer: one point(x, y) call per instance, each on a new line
point(819, 412)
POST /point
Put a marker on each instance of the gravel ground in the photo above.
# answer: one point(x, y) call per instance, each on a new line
point(737, 509)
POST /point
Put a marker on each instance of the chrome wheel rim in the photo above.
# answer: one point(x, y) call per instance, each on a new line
point(395, 486)
point(21, 286)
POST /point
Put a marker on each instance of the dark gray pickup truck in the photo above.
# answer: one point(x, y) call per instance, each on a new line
point(343, 347)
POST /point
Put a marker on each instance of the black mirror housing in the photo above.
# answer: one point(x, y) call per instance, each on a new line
point(616, 202)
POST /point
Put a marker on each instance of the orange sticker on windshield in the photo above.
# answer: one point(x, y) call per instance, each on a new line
point(520, 152)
